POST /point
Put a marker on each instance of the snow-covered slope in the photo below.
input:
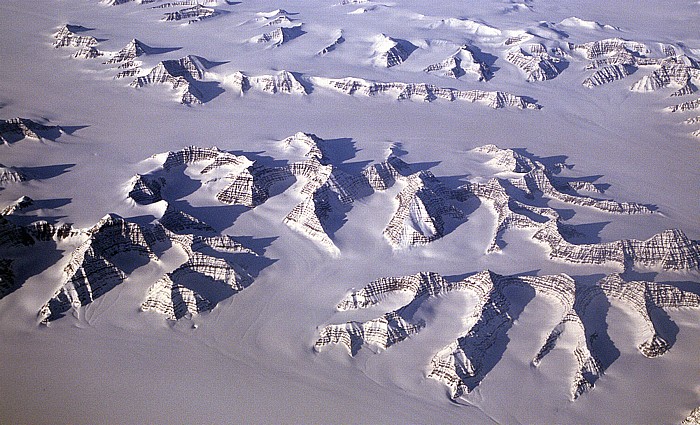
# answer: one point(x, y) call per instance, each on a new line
point(518, 180)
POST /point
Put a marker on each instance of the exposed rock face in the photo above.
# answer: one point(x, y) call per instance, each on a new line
point(536, 63)
point(463, 364)
point(425, 203)
point(11, 175)
point(690, 105)
point(390, 52)
point(45, 231)
point(279, 36)
point(673, 72)
point(178, 293)
point(87, 52)
point(538, 179)
point(91, 272)
point(279, 20)
point(7, 277)
point(281, 82)
point(382, 332)
point(12, 235)
point(608, 74)
point(419, 218)
point(671, 250)
point(178, 221)
point(94, 267)
point(146, 189)
point(173, 300)
point(19, 204)
point(131, 51)
point(251, 187)
point(182, 74)
point(193, 154)
point(693, 418)
point(426, 92)
point(18, 128)
point(388, 329)
point(331, 47)
point(191, 14)
point(643, 297)
point(461, 63)
point(326, 189)
point(600, 48)
point(613, 59)
point(67, 37)
point(506, 159)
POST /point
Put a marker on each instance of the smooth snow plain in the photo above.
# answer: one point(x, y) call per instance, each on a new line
point(251, 358)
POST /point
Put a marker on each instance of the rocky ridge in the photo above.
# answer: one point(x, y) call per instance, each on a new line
point(14, 129)
point(196, 13)
point(461, 63)
point(535, 62)
point(425, 204)
point(426, 92)
point(182, 74)
point(11, 175)
point(96, 266)
point(282, 82)
point(462, 365)
point(389, 52)
point(279, 36)
point(67, 36)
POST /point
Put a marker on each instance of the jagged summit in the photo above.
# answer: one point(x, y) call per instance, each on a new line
point(331, 47)
point(11, 175)
point(390, 52)
point(689, 105)
point(91, 271)
point(693, 418)
point(423, 205)
point(281, 82)
point(427, 209)
point(145, 189)
point(131, 51)
point(196, 13)
point(67, 36)
point(18, 205)
point(535, 62)
point(463, 364)
point(327, 190)
point(609, 46)
point(113, 246)
point(676, 71)
point(15, 129)
point(279, 36)
point(182, 74)
point(461, 63)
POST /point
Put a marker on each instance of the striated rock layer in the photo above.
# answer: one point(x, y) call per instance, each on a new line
point(464, 363)
point(18, 128)
point(425, 92)
point(461, 63)
point(182, 74)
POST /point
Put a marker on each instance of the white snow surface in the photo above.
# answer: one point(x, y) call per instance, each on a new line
point(251, 358)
